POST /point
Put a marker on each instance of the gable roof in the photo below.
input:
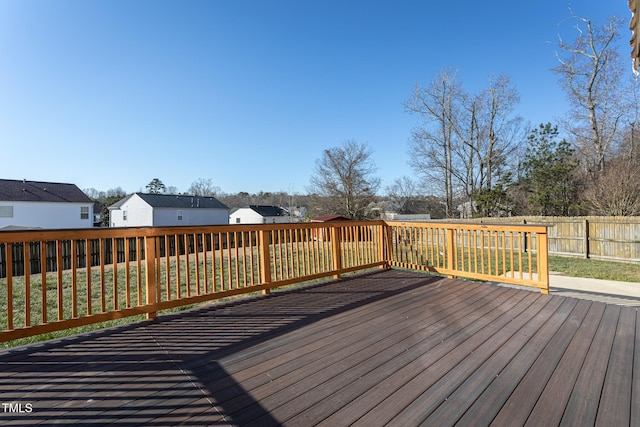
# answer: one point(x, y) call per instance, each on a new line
point(37, 191)
point(174, 201)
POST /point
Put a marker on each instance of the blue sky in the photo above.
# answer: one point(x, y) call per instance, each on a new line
point(107, 94)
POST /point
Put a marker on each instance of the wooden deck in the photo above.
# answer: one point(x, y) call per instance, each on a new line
point(392, 347)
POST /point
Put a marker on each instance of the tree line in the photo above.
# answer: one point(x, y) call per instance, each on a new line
point(473, 148)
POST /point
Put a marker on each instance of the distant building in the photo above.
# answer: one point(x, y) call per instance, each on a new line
point(322, 233)
point(411, 210)
point(259, 214)
point(411, 217)
point(157, 210)
point(330, 218)
point(48, 205)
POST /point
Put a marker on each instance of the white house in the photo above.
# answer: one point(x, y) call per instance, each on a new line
point(142, 209)
point(34, 204)
point(257, 214)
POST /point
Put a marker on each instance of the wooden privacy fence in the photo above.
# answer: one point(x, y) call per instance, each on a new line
point(71, 278)
point(597, 237)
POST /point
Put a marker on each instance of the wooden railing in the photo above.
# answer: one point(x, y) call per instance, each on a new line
point(59, 279)
point(516, 254)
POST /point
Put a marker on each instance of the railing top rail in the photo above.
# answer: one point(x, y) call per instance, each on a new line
point(536, 228)
point(12, 236)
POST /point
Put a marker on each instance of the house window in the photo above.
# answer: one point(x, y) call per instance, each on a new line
point(237, 220)
point(6, 211)
point(124, 215)
point(84, 212)
point(179, 215)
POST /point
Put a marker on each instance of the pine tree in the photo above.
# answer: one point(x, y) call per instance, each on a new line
point(548, 170)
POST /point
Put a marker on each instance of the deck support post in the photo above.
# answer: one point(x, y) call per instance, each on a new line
point(543, 261)
point(451, 251)
point(265, 257)
point(385, 245)
point(336, 250)
point(586, 238)
point(151, 277)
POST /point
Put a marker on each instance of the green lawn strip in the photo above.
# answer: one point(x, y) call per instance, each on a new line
point(595, 269)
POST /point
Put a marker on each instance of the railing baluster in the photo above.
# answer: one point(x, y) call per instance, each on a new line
point(59, 284)
point(27, 283)
point(236, 259)
point(176, 242)
point(103, 293)
point(114, 271)
point(187, 267)
point(127, 273)
point(205, 269)
point(530, 251)
point(9, 269)
point(43, 279)
point(229, 262)
point(196, 251)
point(87, 261)
point(139, 241)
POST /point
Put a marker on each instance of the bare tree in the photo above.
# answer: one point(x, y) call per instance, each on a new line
point(616, 192)
point(463, 141)
point(432, 143)
point(500, 129)
point(630, 144)
point(345, 181)
point(590, 73)
point(204, 188)
point(400, 192)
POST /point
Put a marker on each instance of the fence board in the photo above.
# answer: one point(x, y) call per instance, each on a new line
point(607, 238)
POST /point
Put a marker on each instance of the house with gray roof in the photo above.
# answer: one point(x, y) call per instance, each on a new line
point(261, 214)
point(158, 210)
point(43, 205)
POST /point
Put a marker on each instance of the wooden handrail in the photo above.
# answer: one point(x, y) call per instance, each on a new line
point(57, 279)
point(515, 254)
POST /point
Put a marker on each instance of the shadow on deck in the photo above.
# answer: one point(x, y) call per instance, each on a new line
point(389, 347)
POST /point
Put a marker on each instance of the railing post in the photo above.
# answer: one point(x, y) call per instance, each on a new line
point(586, 238)
point(451, 251)
point(337, 254)
point(543, 261)
point(385, 244)
point(151, 277)
point(265, 257)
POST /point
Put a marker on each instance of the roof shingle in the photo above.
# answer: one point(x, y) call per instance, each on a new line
point(181, 201)
point(37, 191)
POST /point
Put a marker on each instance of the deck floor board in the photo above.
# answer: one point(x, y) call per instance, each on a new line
point(394, 346)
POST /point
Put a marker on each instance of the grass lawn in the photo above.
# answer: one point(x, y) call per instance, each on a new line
point(595, 269)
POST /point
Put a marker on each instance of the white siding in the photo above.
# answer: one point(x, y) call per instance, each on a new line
point(249, 216)
point(47, 215)
point(246, 216)
point(139, 214)
point(196, 216)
